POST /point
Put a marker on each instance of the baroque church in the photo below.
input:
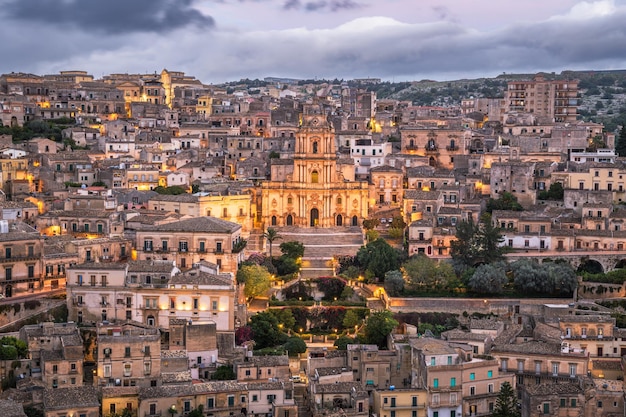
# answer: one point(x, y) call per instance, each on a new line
point(316, 188)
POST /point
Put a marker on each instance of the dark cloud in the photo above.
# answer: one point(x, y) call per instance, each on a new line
point(110, 16)
point(321, 5)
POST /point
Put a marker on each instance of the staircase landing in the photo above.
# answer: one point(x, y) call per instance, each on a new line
point(321, 245)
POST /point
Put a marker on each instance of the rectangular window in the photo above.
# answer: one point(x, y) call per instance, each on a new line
point(210, 403)
point(489, 374)
point(472, 376)
point(573, 402)
point(436, 383)
point(453, 382)
point(231, 400)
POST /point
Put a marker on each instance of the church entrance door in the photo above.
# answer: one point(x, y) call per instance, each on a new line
point(315, 217)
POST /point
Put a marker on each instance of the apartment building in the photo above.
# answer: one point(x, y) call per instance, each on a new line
point(555, 100)
point(262, 368)
point(190, 241)
point(377, 369)
point(439, 144)
point(403, 402)
point(21, 247)
point(129, 354)
point(592, 334)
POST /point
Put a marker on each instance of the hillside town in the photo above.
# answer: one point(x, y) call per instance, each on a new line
point(171, 248)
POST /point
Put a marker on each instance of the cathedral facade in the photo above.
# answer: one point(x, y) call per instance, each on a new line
point(315, 188)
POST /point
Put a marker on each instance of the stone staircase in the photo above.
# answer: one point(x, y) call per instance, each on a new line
point(321, 245)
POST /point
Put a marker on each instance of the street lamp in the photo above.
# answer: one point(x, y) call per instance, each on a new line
point(172, 410)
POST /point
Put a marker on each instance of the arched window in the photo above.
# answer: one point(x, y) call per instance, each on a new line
point(339, 201)
point(273, 220)
point(315, 147)
point(314, 177)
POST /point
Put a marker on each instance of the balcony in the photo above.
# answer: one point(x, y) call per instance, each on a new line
point(162, 250)
point(445, 404)
point(446, 389)
point(452, 148)
point(411, 147)
point(403, 406)
point(431, 149)
point(20, 258)
point(218, 251)
point(156, 414)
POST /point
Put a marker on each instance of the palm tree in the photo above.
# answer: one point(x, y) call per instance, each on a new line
point(271, 235)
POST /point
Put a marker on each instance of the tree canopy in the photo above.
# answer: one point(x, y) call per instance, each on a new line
point(292, 249)
point(620, 146)
point(257, 279)
point(394, 283)
point(423, 273)
point(555, 192)
point(507, 201)
point(266, 330)
point(172, 190)
point(489, 279)
point(295, 345)
point(477, 243)
point(378, 257)
point(378, 326)
point(271, 235)
point(506, 403)
point(548, 278)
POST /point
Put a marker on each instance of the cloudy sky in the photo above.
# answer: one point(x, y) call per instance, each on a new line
point(225, 40)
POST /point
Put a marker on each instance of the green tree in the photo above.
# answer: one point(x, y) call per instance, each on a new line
point(398, 223)
point(477, 243)
point(271, 235)
point(21, 347)
point(548, 278)
point(370, 224)
point(197, 412)
point(490, 239)
point(342, 342)
point(507, 201)
point(506, 403)
point(351, 319)
point(266, 330)
point(378, 257)
point(224, 373)
point(285, 318)
point(173, 190)
point(488, 279)
point(555, 192)
point(293, 249)
point(378, 326)
point(424, 273)
point(394, 283)
point(256, 278)
point(295, 345)
point(620, 146)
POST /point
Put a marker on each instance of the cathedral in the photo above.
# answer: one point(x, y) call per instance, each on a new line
point(315, 188)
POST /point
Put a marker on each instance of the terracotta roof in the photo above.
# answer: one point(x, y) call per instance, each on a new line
point(76, 397)
point(199, 224)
